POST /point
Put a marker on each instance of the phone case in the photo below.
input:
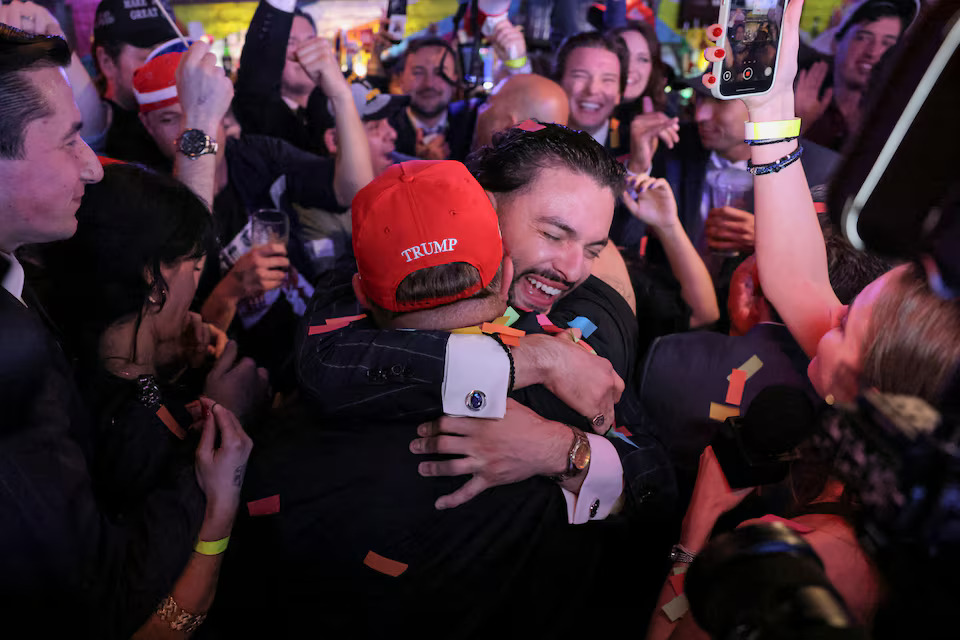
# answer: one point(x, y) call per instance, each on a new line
point(717, 69)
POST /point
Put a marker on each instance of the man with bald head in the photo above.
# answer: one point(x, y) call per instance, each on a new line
point(518, 98)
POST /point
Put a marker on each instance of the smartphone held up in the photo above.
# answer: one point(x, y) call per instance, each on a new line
point(748, 37)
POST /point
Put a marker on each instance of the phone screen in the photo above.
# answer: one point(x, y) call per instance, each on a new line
point(752, 43)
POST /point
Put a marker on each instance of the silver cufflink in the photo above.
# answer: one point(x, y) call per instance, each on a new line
point(475, 400)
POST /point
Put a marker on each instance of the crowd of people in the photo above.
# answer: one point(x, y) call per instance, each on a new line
point(477, 378)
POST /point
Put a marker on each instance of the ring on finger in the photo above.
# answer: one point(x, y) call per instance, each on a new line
point(598, 420)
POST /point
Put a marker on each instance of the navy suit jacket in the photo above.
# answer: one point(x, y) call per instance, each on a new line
point(685, 372)
point(461, 120)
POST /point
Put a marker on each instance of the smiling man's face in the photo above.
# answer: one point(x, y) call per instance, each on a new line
point(553, 230)
point(591, 78)
point(861, 48)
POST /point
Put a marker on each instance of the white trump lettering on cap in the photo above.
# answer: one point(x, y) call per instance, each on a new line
point(428, 249)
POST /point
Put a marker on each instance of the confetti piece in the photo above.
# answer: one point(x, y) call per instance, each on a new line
point(643, 246)
point(751, 366)
point(586, 347)
point(347, 319)
point(721, 412)
point(509, 340)
point(264, 506)
point(676, 581)
point(384, 565)
point(551, 329)
point(681, 569)
point(737, 378)
point(676, 608)
point(511, 315)
point(468, 330)
point(584, 325)
point(324, 328)
point(543, 320)
point(488, 327)
point(171, 423)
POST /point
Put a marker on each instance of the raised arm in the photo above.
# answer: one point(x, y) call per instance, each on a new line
point(791, 257)
point(264, 53)
point(353, 166)
point(655, 205)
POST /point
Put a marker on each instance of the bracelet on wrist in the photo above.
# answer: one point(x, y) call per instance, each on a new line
point(518, 63)
point(771, 130)
point(760, 143)
point(213, 547)
point(680, 553)
point(178, 619)
point(513, 370)
point(775, 167)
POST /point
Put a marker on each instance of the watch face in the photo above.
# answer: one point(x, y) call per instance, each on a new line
point(193, 142)
point(581, 456)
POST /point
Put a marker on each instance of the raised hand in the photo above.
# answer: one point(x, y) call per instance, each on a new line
point(654, 203)
point(260, 270)
point(508, 41)
point(495, 452)
point(432, 147)
point(204, 89)
point(712, 497)
point(30, 17)
point(220, 470)
point(646, 130)
point(239, 386)
point(729, 229)
point(318, 59)
point(810, 106)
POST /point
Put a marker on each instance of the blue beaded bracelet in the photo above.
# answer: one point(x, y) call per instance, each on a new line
point(774, 167)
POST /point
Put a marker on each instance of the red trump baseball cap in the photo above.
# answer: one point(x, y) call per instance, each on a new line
point(420, 214)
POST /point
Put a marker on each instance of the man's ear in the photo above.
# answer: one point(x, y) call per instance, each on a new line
point(506, 276)
point(330, 139)
point(359, 292)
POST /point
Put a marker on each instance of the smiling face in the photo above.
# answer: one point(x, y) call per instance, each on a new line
point(641, 64)
point(836, 367)
point(51, 175)
point(423, 80)
point(553, 230)
point(861, 48)
point(720, 125)
point(591, 78)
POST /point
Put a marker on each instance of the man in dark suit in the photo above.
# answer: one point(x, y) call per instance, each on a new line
point(381, 547)
point(433, 126)
point(275, 96)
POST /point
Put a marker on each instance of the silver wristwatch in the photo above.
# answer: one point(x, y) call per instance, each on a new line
point(194, 143)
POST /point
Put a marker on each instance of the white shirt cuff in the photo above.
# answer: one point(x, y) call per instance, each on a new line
point(601, 488)
point(283, 5)
point(475, 377)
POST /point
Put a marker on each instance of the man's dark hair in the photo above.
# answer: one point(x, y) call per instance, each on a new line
point(873, 11)
point(416, 44)
point(306, 16)
point(20, 100)
point(516, 157)
point(593, 40)
point(441, 281)
point(849, 270)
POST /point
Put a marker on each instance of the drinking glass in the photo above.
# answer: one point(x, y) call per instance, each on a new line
point(269, 226)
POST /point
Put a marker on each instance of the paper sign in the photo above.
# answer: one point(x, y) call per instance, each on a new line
point(737, 378)
point(751, 366)
point(384, 565)
point(721, 412)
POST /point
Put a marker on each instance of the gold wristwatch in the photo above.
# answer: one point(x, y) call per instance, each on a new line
point(578, 458)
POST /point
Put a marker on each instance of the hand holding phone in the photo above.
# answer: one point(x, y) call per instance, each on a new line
point(749, 36)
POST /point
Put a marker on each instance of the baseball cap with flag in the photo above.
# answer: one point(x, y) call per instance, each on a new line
point(420, 214)
point(155, 83)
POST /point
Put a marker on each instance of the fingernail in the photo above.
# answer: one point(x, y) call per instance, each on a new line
point(440, 505)
point(422, 430)
point(415, 446)
point(424, 469)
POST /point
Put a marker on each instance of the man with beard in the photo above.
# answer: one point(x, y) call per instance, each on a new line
point(433, 127)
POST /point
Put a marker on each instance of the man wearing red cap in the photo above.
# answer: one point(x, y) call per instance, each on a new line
point(438, 265)
point(257, 172)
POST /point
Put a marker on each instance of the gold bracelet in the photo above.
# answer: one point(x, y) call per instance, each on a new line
point(178, 619)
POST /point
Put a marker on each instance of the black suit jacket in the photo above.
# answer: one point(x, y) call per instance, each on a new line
point(684, 373)
point(257, 103)
point(461, 120)
point(66, 570)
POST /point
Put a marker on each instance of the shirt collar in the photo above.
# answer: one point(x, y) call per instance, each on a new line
point(13, 279)
point(290, 103)
point(440, 127)
point(601, 134)
point(717, 161)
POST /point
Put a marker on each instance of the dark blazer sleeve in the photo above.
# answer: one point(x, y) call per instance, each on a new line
point(361, 372)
